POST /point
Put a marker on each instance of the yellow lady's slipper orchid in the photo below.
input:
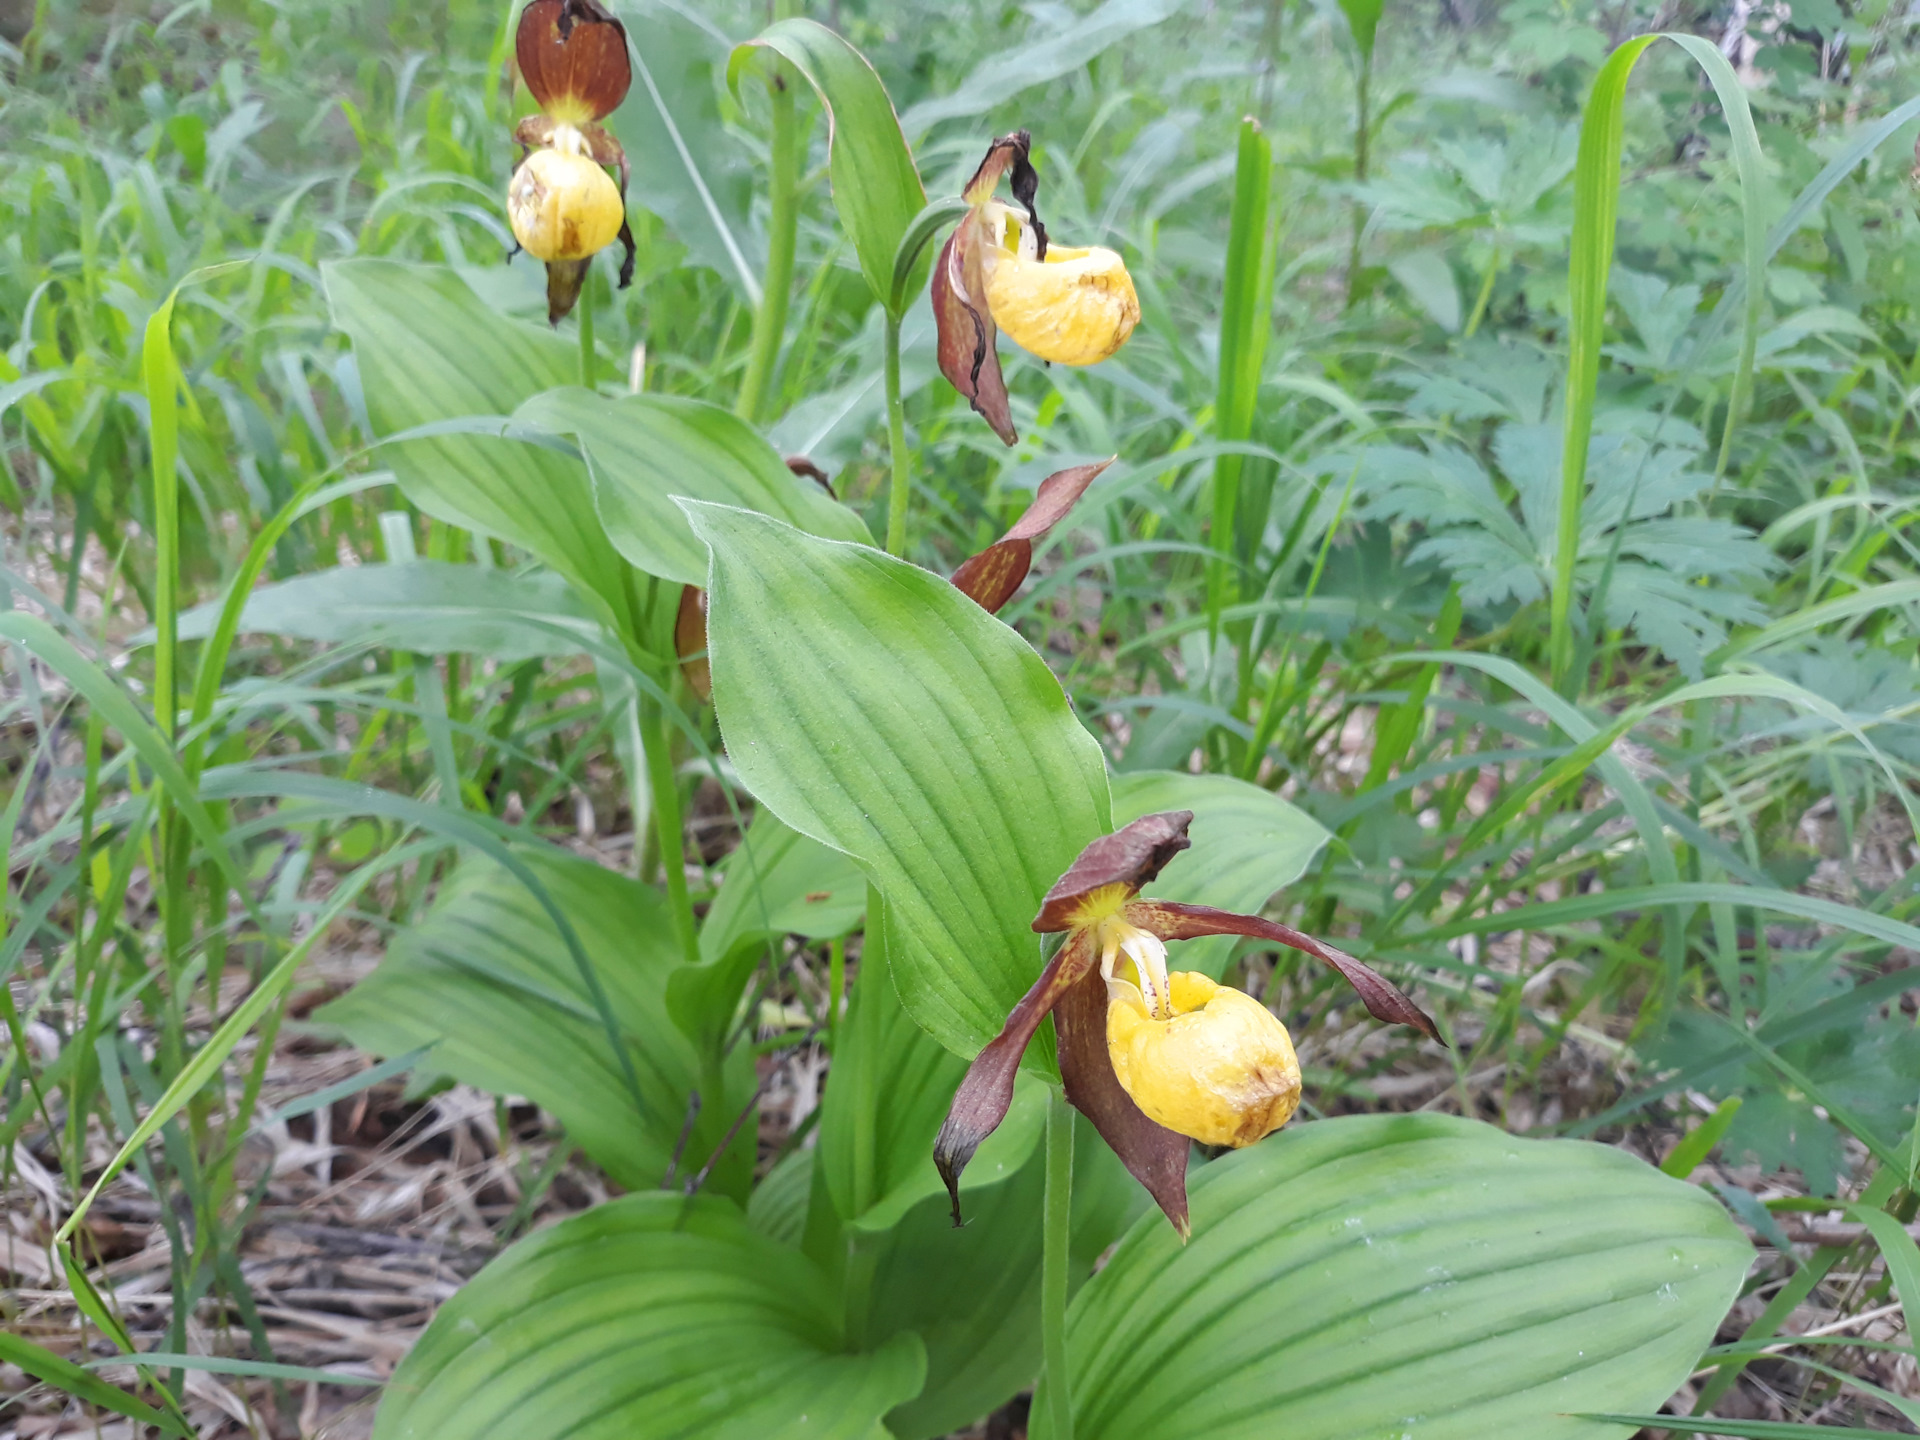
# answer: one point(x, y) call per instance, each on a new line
point(563, 206)
point(1214, 1063)
point(1073, 305)
point(1153, 1058)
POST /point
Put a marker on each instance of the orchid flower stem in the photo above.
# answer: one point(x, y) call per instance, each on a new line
point(588, 370)
point(1056, 1228)
point(896, 445)
point(770, 320)
point(836, 987)
point(656, 738)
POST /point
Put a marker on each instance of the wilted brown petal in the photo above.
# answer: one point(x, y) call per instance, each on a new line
point(690, 639)
point(1383, 999)
point(991, 577)
point(1153, 1154)
point(803, 465)
point(534, 131)
point(966, 331)
point(1011, 153)
point(564, 278)
point(573, 56)
point(1057, 495)
point(1132, 856)
point(981, 1102)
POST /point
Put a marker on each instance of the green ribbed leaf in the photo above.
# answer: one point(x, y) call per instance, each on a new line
point(650, 1318)
point(429, 350)
point(1404, 1275)
point(872, 706)
point(645, 449)
point(485, 980)
point(422, 605)
point(1248, 843)
point(876, 188)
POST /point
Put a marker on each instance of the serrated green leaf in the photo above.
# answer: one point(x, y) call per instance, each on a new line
point(1393, 1274)
point(430, 350)
point(871, 705)
point(876, 188)
point(645, 449)
point(650, 1317)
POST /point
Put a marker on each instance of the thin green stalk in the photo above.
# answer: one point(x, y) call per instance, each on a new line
point(1270, 709)
point(161, 377)
point(588, 368)
point(665, 787)
point(1246, 318)
point(1485, 295)
point(836, 986)
point(1362, 128)
point(770, 319)
point(1056, 1228)
point(866, 1011)
point(896, 446)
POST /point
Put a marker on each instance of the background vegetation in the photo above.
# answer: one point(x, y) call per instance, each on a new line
point(1642, 836)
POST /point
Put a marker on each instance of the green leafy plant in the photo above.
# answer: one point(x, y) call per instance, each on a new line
point(1534, 639)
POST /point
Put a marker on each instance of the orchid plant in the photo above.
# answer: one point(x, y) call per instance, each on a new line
point(1018, 1075)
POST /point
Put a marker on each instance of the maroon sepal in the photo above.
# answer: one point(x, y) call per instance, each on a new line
point(981, 1102)
point(1153, 1154)
point(573, 50)
point(966, 332)
point(1132, 856)
point(991, 577)
point(1384, 1000)
point(564, 279)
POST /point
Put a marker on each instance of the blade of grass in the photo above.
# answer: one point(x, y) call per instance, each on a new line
point(1595, 209)
point(55, 1370)
point(1246, 311)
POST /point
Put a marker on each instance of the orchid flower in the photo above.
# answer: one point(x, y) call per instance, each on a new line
point(1152, 1057)
point(562, 204)
point(1074, 305)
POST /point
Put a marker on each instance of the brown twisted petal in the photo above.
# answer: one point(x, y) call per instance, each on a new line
point(966, 331)
point(981, 1102)
point(1153, 1154)
point(1010, 153)
point(991, 577)
point(573, 56)
point(1384, 1000)
point(1132, 856)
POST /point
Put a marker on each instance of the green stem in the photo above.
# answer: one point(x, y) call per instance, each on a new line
point(896, 446)
point(1485, 295)
point(1362, 129)
point(587, 357)
point(770, 320)
point(1057, 1226)
point(871, 1042)
point(665, 788)
point(836, 986)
